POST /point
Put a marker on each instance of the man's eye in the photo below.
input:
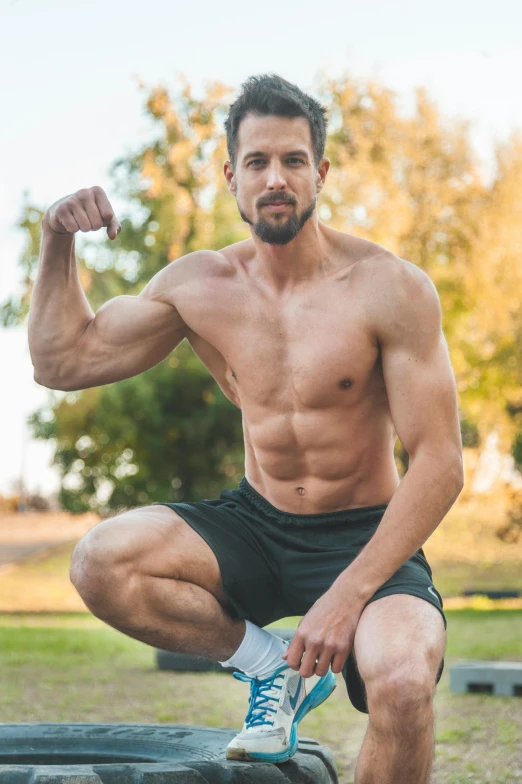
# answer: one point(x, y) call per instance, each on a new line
point(295, 160)
point(255, 161)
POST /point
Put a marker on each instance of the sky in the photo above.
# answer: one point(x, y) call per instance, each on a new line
point(70, 105)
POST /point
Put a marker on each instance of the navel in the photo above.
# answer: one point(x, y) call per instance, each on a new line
point(346, 383)
point(234, 375)
point(301, 490)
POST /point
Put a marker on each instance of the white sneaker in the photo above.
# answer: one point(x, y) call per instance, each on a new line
point(277, 705)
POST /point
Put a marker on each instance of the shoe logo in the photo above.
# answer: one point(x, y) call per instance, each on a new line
point(294, 698)
point(430, 589)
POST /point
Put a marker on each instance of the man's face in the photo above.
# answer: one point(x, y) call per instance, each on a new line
point(275, 180)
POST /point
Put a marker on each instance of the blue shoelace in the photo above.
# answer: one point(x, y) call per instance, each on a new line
point(259, 698)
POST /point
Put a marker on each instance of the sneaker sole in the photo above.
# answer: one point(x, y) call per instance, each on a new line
point(317, 696)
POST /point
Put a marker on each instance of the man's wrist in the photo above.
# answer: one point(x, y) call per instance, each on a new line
point(351, 586)
point(48, 231)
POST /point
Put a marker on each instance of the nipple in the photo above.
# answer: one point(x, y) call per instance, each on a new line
point(345, 383)
point(301, 490)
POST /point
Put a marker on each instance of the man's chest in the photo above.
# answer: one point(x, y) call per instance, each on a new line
point(310, 350)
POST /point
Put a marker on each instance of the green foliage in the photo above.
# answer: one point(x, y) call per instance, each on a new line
point(469, 433)
point(167, 435)
point(412, 184)
point(16, 308)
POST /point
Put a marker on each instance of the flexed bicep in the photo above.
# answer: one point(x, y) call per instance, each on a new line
point(128, 335)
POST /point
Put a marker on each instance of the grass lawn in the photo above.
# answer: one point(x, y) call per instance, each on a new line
point(73, 668)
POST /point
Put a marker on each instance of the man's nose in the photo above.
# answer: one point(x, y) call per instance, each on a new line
point(276, 180)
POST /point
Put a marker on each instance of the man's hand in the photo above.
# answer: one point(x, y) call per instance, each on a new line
point(325, 635)
point(86, 210)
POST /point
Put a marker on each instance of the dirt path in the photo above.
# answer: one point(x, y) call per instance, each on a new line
point(30, 533)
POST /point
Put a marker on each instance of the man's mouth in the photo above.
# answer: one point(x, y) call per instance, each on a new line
point(277, 205)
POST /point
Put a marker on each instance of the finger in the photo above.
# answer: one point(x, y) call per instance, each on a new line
point(88, 202)
point(324, 661)
point(294, 653)
point(106, 212)
point(65, 218)
point(307, 668)
point(80, 216)
point(339, 660)
point(113, 229)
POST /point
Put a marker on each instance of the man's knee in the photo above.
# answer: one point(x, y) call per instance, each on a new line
point(106, 560)
point(115, 560)
point(400, 698)
point(95, 560)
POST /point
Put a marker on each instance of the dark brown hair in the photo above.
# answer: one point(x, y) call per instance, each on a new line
point(271, 94)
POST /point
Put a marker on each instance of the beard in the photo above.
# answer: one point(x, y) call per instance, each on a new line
point(280, 230)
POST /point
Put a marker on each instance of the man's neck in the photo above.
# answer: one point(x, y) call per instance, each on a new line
point(302, 259)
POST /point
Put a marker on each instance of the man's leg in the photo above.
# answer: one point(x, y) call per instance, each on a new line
point(399, 645)
point(148, 574)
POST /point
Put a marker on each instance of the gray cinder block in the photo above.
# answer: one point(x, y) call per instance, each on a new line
point(487, 677)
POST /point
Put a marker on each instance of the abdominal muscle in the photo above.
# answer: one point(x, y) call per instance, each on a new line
point(317, 425)
point(319, 461)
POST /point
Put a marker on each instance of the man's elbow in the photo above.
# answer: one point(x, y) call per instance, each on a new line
point(459, 486)
point(54, 383)
point(456, 472)
point(447, 466)
point(44, 381)
point(452, 478)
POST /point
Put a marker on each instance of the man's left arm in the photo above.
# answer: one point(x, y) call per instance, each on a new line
point(405, 319)
point(421, 391)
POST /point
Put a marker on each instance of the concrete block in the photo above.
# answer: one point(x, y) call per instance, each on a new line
point(487, 677)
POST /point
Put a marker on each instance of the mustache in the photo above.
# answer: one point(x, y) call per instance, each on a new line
point(275, 199)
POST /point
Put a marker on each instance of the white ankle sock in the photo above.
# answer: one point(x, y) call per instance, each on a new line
point(259, 654)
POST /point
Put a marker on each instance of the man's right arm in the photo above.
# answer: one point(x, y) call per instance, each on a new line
point(71, 347)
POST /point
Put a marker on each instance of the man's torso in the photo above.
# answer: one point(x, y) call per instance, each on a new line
point(305, 370)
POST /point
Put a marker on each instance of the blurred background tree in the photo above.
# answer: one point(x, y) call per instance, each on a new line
point(169, 434)
point(411, 183)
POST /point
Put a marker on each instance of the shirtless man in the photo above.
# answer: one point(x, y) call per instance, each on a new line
point(331, 346)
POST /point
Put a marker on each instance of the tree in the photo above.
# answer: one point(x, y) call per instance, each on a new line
point(411, 183)
point(170, 433)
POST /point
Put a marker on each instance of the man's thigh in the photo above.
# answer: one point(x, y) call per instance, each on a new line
point(154, 541)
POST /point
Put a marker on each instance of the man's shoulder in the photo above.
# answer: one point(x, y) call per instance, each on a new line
point(215, 262)
point(198, 266)
point(199, 262)
point(368, 259)
point(391, 289)
point(188, 275)
point(401, 297)
point(393, 277)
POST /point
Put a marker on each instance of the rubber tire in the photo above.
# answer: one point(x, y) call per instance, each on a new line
point(184, 662)
point(146, 753)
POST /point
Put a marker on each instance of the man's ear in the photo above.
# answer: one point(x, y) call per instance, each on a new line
point(322, 171)
point(228, 171)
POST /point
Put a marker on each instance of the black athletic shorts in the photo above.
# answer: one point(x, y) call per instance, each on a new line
point(275, 564)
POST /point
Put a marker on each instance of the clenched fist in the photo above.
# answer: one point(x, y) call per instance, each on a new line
point(86, 210)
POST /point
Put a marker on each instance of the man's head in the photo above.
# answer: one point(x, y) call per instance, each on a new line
point(276, 136)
